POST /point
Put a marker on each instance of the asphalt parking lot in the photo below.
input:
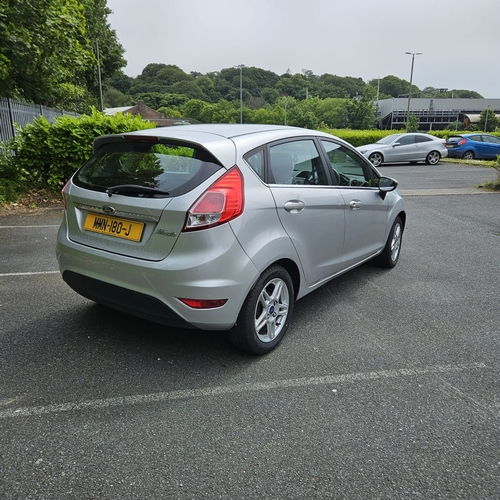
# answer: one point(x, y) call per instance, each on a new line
point(386, 386)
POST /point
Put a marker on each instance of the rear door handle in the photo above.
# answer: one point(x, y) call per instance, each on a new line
point(355, 204)
point(294, 206)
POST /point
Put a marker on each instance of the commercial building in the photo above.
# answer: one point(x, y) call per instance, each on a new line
point(432, 114)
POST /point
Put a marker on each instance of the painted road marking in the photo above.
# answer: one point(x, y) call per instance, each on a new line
point(157, 397)
point(31, 227)
point(28, 273)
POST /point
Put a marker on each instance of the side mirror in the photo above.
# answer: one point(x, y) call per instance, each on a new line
point(386, 185)
point(396, 144)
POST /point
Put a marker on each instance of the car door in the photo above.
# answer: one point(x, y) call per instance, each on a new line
point(491, 146)
point(366, 212)
point(310, 208)
point(478, 145)
point(404, 149)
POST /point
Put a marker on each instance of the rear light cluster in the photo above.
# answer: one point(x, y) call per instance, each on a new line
point(462, 142)
point(222, 202)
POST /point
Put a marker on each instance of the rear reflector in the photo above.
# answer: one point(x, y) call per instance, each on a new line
point(203, 304)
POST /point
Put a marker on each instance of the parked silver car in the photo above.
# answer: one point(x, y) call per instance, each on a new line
point(412, 147)
point(223, 227)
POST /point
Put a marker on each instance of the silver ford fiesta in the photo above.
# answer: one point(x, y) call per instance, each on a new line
point(223, 227)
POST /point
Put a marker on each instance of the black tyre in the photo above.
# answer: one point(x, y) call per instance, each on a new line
point(266, 313)
point(376, 159)
point(390, 254)
point(433, 158)
point(468, 155)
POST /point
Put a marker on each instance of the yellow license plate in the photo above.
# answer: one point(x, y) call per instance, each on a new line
point(113, 226)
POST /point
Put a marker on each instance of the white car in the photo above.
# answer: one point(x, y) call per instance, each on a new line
point(411, 147)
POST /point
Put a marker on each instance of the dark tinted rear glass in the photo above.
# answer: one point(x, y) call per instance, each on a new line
point(171, 169)
point(423, 138)
point(455, 138)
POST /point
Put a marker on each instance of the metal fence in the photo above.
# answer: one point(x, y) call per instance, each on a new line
point(21, 113)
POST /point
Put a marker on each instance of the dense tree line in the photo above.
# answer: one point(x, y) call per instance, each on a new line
point(301, 99)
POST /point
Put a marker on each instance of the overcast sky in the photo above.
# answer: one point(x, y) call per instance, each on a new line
point(459, 39)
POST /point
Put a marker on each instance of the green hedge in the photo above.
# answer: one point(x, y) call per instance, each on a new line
point(360, 137)
point(46, 154)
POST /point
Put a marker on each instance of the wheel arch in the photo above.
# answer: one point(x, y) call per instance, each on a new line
point(402, 216)
point(292, 269)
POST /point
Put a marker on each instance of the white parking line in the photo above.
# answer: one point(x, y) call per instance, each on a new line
point(28, 273)
point(22, 227)
point(157, 397)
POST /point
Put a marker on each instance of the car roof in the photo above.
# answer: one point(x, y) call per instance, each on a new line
point(215, 137)
point(203, 132)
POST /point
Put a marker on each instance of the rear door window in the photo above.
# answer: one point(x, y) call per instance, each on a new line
point(162, 169)
point(296, 162)
point(423, 138)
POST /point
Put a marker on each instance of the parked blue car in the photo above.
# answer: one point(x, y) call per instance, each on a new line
point(469, 146)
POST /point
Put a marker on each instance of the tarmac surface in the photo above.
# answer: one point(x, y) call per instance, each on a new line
point(387, 385)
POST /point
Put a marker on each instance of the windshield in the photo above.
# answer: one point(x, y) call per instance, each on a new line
point(389, 138)
point(163, 170)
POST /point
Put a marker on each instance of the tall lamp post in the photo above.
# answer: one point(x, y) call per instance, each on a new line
point(241, 66)
point(99, 74)
point(486, 119)
point(412, 54)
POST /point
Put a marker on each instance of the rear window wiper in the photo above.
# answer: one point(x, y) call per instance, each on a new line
point(134, 189)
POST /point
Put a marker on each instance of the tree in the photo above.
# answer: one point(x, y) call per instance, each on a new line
point(113, 98)
point(48, 51)
point(360, 114)
point(189, 89)
point(488, 121)
point(338, 86)
point(42, 47)
point(393, 86)
point(412, 123)
point(120, 81)
point(293, 86)
point(98, 32)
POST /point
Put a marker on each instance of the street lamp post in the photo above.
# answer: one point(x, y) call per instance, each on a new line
point(486, 119)
point(241, 66)
point(412, 54)
point(99, 74)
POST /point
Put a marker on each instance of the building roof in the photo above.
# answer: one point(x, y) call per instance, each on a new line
point(114, 111)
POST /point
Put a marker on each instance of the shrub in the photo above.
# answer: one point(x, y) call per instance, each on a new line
point(360, 137)
point(45, 155)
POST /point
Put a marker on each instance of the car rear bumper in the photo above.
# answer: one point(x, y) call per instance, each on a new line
point(454, 154)
point(124, 300)
point(201, 266)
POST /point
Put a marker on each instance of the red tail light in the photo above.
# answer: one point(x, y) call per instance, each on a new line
point(221, 202)
point(462, 142)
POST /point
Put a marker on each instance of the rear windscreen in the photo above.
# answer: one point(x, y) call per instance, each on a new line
point(165, 169)
point(455, 139)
